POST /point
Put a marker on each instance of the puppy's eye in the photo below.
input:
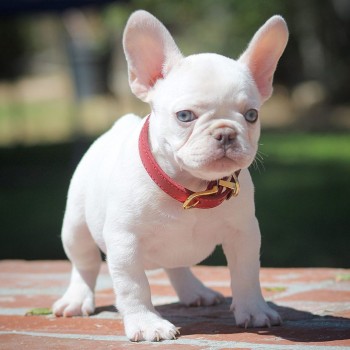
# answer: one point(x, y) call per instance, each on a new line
point(185, 116)
point(251, 116)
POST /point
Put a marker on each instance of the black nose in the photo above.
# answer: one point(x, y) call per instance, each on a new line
point(225, 136)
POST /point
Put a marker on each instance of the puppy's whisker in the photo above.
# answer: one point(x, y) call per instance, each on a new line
point(262, 154)
point(256, 166)
point(258, 161)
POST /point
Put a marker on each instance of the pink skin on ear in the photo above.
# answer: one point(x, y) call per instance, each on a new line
point(263, 53)
point(150, 52)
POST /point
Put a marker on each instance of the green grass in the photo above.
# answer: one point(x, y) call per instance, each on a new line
point(288, 148)
point(302, 200)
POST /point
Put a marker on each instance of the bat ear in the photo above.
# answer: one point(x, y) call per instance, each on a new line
point(150, 52)
point(264, 52)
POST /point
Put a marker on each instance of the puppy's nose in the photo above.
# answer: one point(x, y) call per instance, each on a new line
point(225, 136)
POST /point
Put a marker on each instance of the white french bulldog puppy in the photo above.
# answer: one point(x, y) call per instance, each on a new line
point(129, 194)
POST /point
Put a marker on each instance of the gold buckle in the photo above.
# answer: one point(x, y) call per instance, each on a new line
point(187, 204)
point(233, 185)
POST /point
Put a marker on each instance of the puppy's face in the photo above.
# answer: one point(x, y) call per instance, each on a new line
point(207, 115)
point(204, 106)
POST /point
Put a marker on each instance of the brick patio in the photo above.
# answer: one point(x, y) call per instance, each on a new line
point(314, 303)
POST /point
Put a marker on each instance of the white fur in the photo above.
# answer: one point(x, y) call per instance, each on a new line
point(113, 204)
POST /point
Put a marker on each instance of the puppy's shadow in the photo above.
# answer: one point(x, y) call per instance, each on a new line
point(298, 326)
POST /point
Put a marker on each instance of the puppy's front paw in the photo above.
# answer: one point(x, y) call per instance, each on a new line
point(148, 326)
point(75, 302)
point(255, 314)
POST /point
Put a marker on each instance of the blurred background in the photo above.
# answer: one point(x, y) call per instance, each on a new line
point(63, 82)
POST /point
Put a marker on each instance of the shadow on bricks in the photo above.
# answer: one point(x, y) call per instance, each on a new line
point(211, 321)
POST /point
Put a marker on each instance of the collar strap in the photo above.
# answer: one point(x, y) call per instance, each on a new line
point(215, 193)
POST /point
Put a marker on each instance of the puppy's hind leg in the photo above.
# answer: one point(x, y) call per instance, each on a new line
point(86, 260)
point(190, 290)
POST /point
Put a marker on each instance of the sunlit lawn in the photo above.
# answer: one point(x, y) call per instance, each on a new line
point(303, 200)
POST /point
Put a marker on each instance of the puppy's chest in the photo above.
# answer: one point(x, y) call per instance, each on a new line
point(183, 240)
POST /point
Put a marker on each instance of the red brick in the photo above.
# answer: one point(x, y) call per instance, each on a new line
point(40, 266)
point(27, 301)
point(298, 275)
point(75, 325)
point(26, 342)
point(162, 290)
point(22, 266)
point(33, 281)
point(321, 295)
point(214, 273)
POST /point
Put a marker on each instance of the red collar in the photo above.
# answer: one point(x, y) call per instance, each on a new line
point(215, 193)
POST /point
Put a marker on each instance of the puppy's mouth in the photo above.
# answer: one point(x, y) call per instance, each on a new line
point(220, 163)
point(226, 161)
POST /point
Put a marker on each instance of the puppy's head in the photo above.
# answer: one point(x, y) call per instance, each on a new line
point(204, 107)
